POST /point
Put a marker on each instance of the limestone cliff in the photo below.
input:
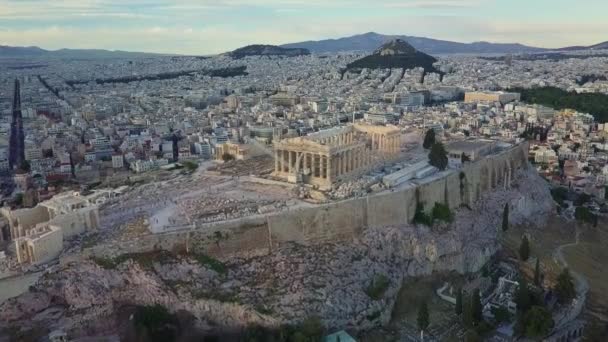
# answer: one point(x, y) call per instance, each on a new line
point(294, 281)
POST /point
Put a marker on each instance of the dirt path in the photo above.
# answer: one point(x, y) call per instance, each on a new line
point(581, 283)
point(558, 256)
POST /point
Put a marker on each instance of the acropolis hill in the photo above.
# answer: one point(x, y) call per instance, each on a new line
point(315, 259)
point(304, 222)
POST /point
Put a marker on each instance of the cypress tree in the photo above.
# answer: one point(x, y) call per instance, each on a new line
point(522, 296)
point(537, 273)
point(438, 157)
point(458, 308)
point(505, 218)
point(524, 249)
point(476, 307)
point(423, 317)
point(429, 139)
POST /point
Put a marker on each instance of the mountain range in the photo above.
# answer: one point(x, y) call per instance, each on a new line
point(368, 42)
point(34, 51)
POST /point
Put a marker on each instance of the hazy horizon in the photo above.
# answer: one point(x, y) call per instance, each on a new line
point(209, 27)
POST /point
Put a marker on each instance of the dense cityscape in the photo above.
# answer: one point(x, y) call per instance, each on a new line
point(282, 194)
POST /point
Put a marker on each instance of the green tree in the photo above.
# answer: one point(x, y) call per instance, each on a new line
point(467, 312)
point(537, 272)
point(464, 158)
point(505, 218)
point(458, 308)
point(501, 314)
point(537, 322)
point(476, 307)
point(312, 327)
point(226, 157)
point(438, 157)
point(524, 249)
point(583, 214)
point(429, 139)
point(471, 336)
point(423, 317)
point(595, 332)
point(564, 287)
point(522, 296)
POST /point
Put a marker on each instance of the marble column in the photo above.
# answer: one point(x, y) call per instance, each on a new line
point(276, 161)
point(323, 171)
point(330, 176)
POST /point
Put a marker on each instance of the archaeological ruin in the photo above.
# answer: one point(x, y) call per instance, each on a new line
point(324, 158)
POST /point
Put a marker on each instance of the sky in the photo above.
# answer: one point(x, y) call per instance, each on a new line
point(202, 27)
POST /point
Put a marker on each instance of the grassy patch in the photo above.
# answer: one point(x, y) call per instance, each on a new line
point(378, 286)
point(211, 263)
point(90, 240)
point(107, 263)
point(264, 310)
point(216, 294)
point(145, 260)
point(374, 316)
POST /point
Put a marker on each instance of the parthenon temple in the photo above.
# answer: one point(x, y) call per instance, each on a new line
point(326, 157)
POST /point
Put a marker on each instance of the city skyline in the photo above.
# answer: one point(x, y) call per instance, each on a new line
point(209, 27)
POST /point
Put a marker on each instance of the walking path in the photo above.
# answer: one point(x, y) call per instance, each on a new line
point(581, 283)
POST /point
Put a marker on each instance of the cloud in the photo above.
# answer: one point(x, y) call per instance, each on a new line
point(212, 26)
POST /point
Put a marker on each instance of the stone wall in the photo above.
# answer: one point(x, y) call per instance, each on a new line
point(338, 221)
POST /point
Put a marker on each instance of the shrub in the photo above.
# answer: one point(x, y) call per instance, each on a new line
point(420, 217)
point(442, 212)
point(377, 287)
point(583, 214)
point(190, 166)
point(156, 323)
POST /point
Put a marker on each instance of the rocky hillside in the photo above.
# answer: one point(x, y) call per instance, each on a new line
point(395, 54)
point(267, 50)
point(351, 284)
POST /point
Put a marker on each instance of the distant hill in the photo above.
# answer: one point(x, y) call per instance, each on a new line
point(395, 54)
point(600, 46)
point(267, 50)
point(18, 51)
point(369, 41)
point(34, 51)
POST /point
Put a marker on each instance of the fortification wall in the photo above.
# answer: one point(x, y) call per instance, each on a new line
point(338, 221)
point(335, 221)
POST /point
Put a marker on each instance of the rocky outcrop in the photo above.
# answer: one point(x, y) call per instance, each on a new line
point(267, 50)
point(331, 280)
point(395, 54)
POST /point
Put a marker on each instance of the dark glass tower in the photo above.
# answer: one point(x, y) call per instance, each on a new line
point(17, 138)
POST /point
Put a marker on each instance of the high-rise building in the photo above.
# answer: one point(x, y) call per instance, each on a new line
point(17, 137)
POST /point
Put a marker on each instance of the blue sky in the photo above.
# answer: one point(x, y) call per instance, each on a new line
point(212, 26)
